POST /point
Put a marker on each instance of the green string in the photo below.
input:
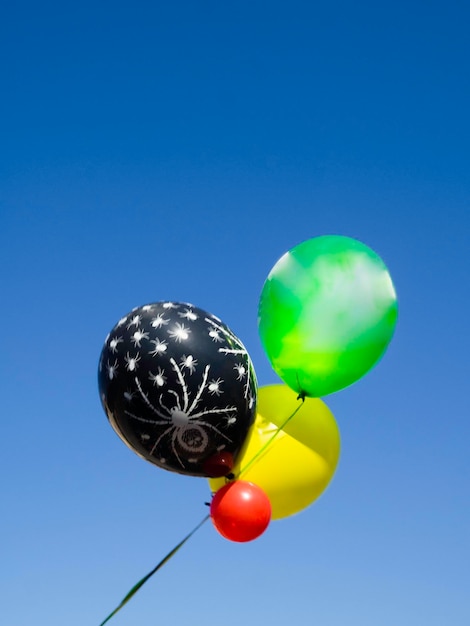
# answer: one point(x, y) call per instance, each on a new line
point(172, 552)
point(165, 559)
point(271, 439)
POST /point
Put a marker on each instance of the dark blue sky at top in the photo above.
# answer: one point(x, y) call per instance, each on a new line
point(293, 86)
point(154, 151)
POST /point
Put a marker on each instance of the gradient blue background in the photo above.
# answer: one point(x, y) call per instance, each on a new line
point(155, 150)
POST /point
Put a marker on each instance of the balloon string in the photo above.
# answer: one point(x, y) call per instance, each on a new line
point(165, 559)
point(263, 448)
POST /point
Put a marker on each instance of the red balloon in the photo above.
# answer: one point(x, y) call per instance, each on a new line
point(240, 511)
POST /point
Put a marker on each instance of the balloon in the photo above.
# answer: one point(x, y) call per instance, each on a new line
point(240, 511)
point(178, 387)
point(299, 463)
point(327, 312)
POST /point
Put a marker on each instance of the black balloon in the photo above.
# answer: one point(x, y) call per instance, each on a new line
point(178, 387)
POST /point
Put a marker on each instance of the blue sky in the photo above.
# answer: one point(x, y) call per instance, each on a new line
point(155, 151)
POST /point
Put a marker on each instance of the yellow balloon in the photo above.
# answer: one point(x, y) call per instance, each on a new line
point(295, 465)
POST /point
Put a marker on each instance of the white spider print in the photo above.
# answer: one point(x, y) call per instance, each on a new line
point(186, 426)
point(160, 347)
point(216, 328)
point(113, 344)
point(159, 321)
point(241, 370)
point(189, 362)
point(128, 395)
point(214, 387)
point(188, 314)
point(158, 379)
point(122, 321)
point(112, 369)
point(135, 321)
point(170, 305)
point(179, 332)
point(131, 362)
point(138, 336)
point(240, 350)
point(147, 307)
point(215, 335)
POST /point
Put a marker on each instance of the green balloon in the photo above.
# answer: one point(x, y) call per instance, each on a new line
point(327, 313)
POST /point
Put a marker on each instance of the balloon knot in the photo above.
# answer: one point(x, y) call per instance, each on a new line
point(301, 396)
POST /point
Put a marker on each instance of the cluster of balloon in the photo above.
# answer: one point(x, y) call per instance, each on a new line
point(327, 313)
point(178, 388)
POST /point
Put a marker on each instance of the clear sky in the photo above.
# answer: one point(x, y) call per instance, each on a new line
point(175, 150)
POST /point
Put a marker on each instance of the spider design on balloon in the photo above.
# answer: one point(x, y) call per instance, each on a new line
point(216, 329)
point(111, 368)
point(188, 314)
point(159, 378)
point(160, 346)
point(138, 336)
point(241, 370)
point(177, 386)
point(189, 362)
point(114, 343)
point(135, 321)
point(159, 321)
point(179, 332)
point(131, 362)
point(186, 422)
